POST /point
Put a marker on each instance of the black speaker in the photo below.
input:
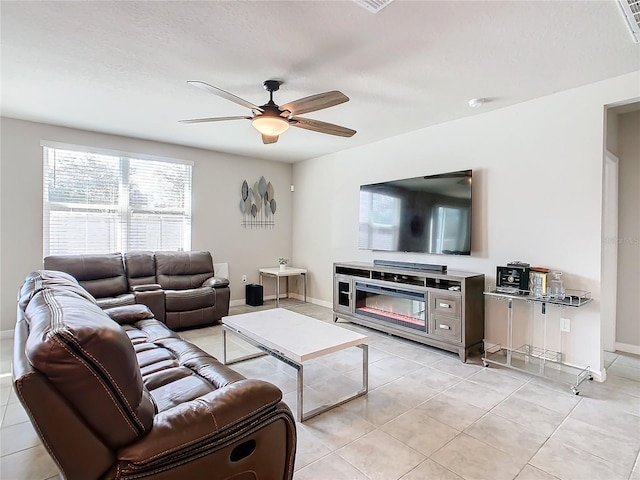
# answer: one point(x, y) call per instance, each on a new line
point(253, 294)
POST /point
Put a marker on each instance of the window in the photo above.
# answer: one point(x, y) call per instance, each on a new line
point(107, 202)
point(381, 225)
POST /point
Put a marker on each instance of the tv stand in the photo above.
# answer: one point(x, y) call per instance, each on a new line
point(443, 310)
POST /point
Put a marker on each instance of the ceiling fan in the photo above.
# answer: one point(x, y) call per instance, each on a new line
point(271, 120)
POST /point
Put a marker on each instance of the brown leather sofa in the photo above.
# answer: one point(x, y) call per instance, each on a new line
point(180, 288)
point(116, 394)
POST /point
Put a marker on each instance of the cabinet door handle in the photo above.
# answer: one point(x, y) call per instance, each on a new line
point(445, 305)
point(444, 327)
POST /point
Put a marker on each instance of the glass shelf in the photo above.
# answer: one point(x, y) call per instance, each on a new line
point(546, 364)
point(573, 298)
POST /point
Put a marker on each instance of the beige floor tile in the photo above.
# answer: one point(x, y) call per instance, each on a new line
point(533, 473)
point(568, 463)
point(601, 414)
point(309, 448)
point(511, 438)
point(537, 419)
point(14, 414)
point(562, 402)
point(31, 463)
point(18, 437)
point(451, 411)
point(628, 360)
point(377, 375)
point(376, 407)
point(498, 381)
point(380, 456)
point(581, 434)
point(477, 395)
point(285, 382)
point(472, 459)
point(433, 378)
point(331, 467)
point(420, 431)
point(455, 367)
point(625, 371)
point(338, 427)
point(430, 470)
point(405, 391)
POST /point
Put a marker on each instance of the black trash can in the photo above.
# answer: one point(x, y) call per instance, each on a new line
point(253, 294)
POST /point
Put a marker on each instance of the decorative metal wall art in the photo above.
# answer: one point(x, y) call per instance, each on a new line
point(258, 205)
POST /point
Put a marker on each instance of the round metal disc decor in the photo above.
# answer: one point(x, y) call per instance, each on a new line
point(254, 210)
point(273, 205)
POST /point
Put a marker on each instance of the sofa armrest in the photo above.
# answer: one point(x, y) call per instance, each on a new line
point(147, 287)
point(186, 426)
point(216, 282)
point(129, 314)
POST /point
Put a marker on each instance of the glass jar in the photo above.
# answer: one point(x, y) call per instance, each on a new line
point(556, 287)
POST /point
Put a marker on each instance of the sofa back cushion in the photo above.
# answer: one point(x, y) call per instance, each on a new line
point(140, 267)
point(183, 270)
point(101, 274)
point(90, 360)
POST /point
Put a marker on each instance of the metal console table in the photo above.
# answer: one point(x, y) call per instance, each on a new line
point(287, 272)
point(537, 360)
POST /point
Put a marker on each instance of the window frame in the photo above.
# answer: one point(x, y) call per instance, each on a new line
point(124, 208)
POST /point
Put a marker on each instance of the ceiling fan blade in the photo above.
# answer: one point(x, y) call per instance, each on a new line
point(221, 93)
point(315, 102)
point(322, 127)
point(214, 119)
point(266, 139)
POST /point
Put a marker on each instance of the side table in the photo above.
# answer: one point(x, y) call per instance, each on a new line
point(287, 272)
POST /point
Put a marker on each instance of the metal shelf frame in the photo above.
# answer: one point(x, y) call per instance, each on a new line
point(535, 359)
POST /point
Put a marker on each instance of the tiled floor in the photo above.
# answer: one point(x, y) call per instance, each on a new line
point(427, 416)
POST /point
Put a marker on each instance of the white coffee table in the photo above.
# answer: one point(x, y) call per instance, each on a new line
point(293, 339)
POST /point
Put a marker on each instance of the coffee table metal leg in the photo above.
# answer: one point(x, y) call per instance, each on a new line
point(301, 416)
point(239, 359)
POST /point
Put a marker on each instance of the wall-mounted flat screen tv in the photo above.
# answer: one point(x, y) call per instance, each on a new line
point(429, 214)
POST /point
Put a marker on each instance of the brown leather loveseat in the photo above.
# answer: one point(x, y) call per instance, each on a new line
point(116, 394)
point(180, 288)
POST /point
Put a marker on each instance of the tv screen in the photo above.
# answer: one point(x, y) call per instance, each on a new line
point(430, 214)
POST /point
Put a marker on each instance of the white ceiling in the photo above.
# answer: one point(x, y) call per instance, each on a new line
point(122, 67)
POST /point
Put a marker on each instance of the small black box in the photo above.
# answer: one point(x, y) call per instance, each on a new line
point(513, 278)
point(253, 294)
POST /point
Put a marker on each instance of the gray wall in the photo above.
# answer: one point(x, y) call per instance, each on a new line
point(628, 301)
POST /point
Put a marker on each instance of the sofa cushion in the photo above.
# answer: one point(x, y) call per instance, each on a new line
point(183, 270)
point(101, 274)
point(140, 267)
point(119, 301)
point(191, 299)
point(90, 360)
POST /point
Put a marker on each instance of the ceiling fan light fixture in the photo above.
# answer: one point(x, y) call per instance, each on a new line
point(270, 125)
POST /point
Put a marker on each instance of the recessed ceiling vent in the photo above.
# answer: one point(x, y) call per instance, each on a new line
point(631, 11)
point(374, 6)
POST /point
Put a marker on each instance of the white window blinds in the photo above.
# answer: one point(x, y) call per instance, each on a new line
point(98, 203)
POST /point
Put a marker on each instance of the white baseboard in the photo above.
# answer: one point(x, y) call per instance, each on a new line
point(6, 334)
point(314, 301)
point(627, 348)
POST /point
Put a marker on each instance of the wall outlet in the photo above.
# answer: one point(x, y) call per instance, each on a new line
point(565, 325)
point(244, 279)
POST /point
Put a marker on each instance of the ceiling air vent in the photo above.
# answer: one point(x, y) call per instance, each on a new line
point(631, 10)
point(374, 6)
